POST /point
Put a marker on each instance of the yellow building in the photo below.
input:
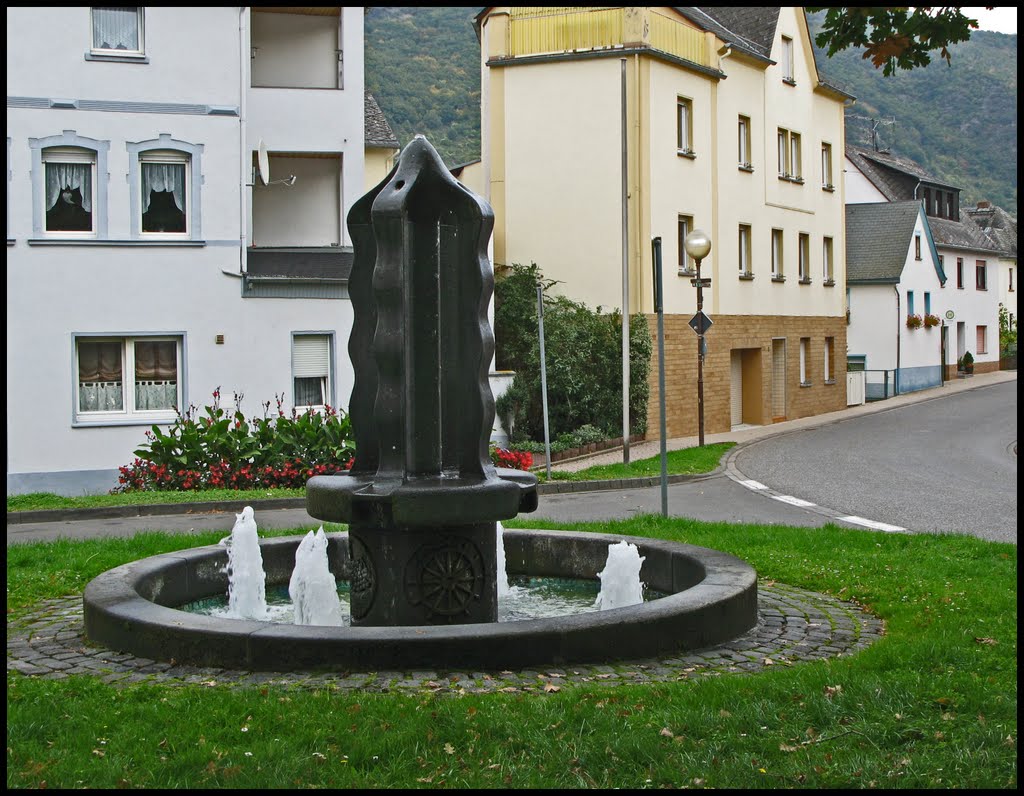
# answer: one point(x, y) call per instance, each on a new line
point(729, 129)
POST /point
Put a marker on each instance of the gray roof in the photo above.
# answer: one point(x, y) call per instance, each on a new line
point(896, 177)
point(750, 28)
point(878, 238)
point(375, 125)
point(997, 224)
point(962, 234)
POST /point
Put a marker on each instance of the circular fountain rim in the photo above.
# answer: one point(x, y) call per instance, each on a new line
point(711, 598)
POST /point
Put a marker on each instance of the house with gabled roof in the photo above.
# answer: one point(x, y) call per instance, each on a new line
point(603, 129)
point(894, 285)
point(969, 297)
point(1001, 228)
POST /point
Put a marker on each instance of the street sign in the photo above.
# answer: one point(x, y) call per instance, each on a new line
point(704, 282)
point(700, 322)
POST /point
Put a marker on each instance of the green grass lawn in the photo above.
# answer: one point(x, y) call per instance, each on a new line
point(687, 461)
point(933, 704)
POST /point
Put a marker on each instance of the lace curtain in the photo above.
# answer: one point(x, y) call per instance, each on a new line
point(156, 375)
point(100, 377)
point(163, 177)
point(115, 28)
point(69, 175)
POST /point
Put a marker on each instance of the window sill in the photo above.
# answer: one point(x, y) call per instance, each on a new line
point(747, 277)
point(980, 289)
point(806, 384)
point(126, 421)
point(829, 283)
point(830, 381)
point(806, 281)
point(194, 244)
point(12, 241)
point(829, 188)
point(686, 272)
point(789, 81)
point(687, 153)
point(794, 180)
point(117, 59)
point(746, 167)
point(778, 279)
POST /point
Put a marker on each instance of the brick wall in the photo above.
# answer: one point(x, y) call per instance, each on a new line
point(753, 334)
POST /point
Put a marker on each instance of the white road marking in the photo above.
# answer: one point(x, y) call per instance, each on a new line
point(792, 500)
point(878, 526)
point(753, 484)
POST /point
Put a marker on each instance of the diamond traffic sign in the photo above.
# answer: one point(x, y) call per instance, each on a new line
point(700, 322)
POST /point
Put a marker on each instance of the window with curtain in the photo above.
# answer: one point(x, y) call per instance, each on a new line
point(164, 194)
point(117, 29)
point(311, 370)
point(69, 182)
point(129, 376)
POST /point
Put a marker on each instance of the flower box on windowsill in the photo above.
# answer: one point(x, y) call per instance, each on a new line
point(931, 320)
point(914, 322)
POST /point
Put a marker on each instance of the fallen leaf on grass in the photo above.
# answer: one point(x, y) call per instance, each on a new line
point(666, 732)
point(986, 640)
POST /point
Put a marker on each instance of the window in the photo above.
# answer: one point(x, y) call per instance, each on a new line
point(982, 340)
point(805, 348)
point(69, 193)
point(787, 61)
point(980, 275)
point(164, 192)
point(311, 370)
point(826, 261)
point(165, 179)
point(927, 303)
point(777, 255)
point(127, 378)
point(1011, 280)
point(789, 155)
point(942, 263)
point(927, 201)
point(910, 302)
point(117, 31)
point(684, 126)
point(686, 264)
point(744, 143)
point(950, 207)
point(826, 167)
point(960, 273)
point(744, 249)
point(804, 258)
point(917, 246)
point(830, 366)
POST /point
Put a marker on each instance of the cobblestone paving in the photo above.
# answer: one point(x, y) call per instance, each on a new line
point(794, 625)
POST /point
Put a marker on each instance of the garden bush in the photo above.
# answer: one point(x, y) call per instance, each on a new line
point(223, 450)
point(583, 349)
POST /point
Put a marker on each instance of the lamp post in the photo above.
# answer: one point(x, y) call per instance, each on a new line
point(698, 246)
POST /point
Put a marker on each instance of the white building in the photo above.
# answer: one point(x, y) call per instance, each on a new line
point(968, 298)
point(150, 258)
point(1001, 227)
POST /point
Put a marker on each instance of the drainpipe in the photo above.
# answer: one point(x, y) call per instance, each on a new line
point(244, 163)
point(899, 331)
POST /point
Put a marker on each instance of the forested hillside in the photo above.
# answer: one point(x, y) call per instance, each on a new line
point(958, 122)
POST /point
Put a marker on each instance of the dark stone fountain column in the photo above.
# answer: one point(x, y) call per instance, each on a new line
point(422, 499)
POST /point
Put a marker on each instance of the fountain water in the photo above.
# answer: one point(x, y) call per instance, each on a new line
point(620, 578)
point(247, 593)
point(422, 500)
point(312, 587)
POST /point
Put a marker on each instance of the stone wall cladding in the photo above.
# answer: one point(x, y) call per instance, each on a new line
point(743, 332)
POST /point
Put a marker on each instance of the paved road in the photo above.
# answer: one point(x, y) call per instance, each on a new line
point(943, 465)
point(941, 460)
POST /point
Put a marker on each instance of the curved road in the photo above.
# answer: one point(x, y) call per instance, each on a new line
point(942, 465)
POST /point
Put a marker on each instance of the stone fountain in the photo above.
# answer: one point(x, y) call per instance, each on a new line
point(422, 499)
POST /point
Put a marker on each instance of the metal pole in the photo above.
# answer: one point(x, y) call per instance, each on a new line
point(658, 308)
point(625, 270)
point(700, 364)
point(543, 378)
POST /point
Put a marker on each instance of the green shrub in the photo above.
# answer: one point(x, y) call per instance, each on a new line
point(583, 349)
point(223, 450)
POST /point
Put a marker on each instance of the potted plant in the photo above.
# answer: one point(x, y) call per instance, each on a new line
point(966, 363)
point(914, 322)
point(931, 320)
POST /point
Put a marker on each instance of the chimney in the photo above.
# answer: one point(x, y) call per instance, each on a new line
point(984, 205)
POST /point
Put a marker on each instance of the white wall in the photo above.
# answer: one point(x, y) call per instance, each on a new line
point(971, 306)
point(859, 189)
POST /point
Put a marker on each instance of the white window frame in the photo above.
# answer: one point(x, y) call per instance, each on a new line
point(684, 226)
point(783, 152)
point(804, 257)
point(326, 378)
point(827, 261)
point(795, 158)
point(129, 413)
point(805, 346)
point(744, 235)
point(76, 155)
point(140, 34)
point(826, 166)
point(778, 243)
point(684, 125)
point(829, 346)
point(787, 60)
point(743, 147)
point(174, 157)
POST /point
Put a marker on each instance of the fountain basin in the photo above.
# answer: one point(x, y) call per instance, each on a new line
point(712, 598)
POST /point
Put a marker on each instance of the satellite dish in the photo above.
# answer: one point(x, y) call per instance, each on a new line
point(263, 163)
